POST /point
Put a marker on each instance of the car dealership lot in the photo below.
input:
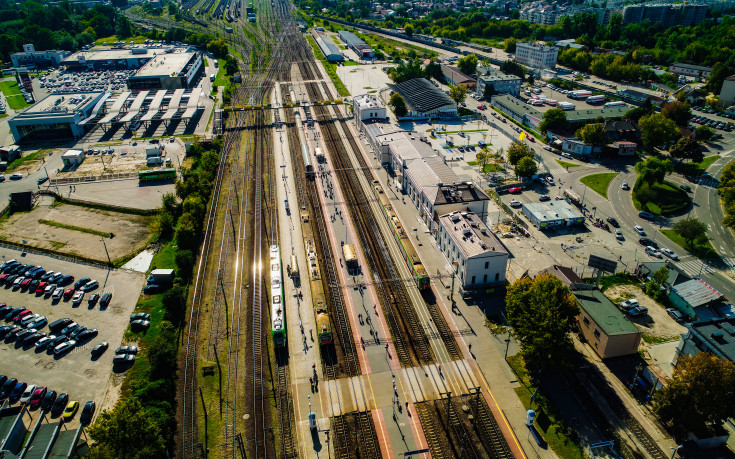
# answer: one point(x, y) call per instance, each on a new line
point(74, 372)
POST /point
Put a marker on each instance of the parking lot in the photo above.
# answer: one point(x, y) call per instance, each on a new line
point(77, 373)
point(656, 322)
point(67, 81)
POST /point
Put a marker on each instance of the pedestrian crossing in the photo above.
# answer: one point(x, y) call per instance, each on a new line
point(691, 266)
point(708, 182)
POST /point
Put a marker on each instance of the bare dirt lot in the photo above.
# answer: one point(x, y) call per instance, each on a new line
point(131, 232)
point(125, 158)
point(657, 322)
point(76, 373)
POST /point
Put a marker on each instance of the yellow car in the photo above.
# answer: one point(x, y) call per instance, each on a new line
point(71, 410)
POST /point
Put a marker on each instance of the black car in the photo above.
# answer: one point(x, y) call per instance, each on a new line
point(68, 279)
point(613, 222)
point(56, 341)
point(86, 335)
point(81, 282)
point(7, 387)
point(60, 324)
point(100, 348)
point(4, 310)
point(87, 413)
point(105, 300)
point(33, 285)
point(43, 179)
point(10, 279)
point(644, 241)
point(32, 338)
point(4, 330)
point(48, 400)
point(3, 378)
point(59, 404)
point(77, 331)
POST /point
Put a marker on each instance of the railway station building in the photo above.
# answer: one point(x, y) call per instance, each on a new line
point(353, 42)
point(168, 71)
point(368, 107)
point(480, 257)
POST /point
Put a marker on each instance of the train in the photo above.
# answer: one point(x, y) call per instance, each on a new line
point(308, 167)
point(410, 257)
point(323, 323)
point(278, 313)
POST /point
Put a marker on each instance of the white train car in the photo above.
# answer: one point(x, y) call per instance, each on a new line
point(278, 313)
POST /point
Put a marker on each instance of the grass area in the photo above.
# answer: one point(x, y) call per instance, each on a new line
point(394, 47)
point(464, 111)
point(653, 339)
point(700, 250)
point(349, 63)
point(15, 99)
point(549, 422)
point(659, 198)
point(567, 163)
point(616, 279)
point(221, 79)
point(488, 167)
point(696, 168)
point(74, 228)
point(599, 182)
point(24, 160)
point(331, 69)
point(113, 38)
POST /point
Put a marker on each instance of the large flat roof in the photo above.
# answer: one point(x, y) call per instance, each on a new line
point(67, 104)
point(470, 234)
point(420, 95)
point(110, 54)
point(553, 210)
point(164, 65)
point(719, 333)
point(604, 312)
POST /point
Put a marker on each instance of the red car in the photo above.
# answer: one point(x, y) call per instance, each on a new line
point(68, 293)
point(41, 287)
point(37, 396)
point(515, 190)
point(24, 285)
point(3, 277)
point(21, 315)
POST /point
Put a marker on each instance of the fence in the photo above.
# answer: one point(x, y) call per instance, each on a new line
point(517, 218)
point(58, 255)
point(93, 178)
point(98, 205)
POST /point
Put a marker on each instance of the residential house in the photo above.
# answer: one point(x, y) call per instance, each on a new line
point(604, 326)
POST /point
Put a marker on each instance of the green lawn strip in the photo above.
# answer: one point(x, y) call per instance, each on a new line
point(15, 99)
point(599, 182)
point(221, 79)
point(567, 164)
point(113, 38)
point(616, 279)
point(74, 228)
point(23, 160)
point(696, 168)
point(488, 167)
point(660, 198)
point(554, 435)
point(17, 102)
point(349, 63)
point(653, 339)
point(704, 251)
point(457, 132)
point(331, 69)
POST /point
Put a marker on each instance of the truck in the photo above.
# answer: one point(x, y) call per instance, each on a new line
point(596, 99)
point(161, 276)
point(617, 103)
point(566, 106)
point(211, 77)
point(154, 161)
point(579, 94)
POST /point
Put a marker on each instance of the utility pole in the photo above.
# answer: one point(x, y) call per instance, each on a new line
point(106, 252)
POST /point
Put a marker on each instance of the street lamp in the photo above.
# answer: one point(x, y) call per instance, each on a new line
point(677, 450)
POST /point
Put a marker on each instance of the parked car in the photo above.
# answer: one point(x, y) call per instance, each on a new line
point(639, 311)
point(515, 190)
point(515, 204)
point(100, 348)
point(81, 282)
point(68, 279)
point(43, 342)
point(17, 392)
point(58, 293)
point(90, 286)
point(87, 412)
point(140, 316)
point(76, 332)
point(69, 328)
point(41, 287)
point(686, 188)
point(126, 350)
point(93, 298)
point(37, 396)
point(56, 341)
point(78, 297)
point(123, 358)
point(48, 400)
point(28, 393)
point(544, 197)
point(639, 229)
point(644, 241)
point(49, 289)
point(64, 347)
point(613, 222)
point(105, 300)
point(59, 404)
point(38, 323)
point(137, 325)
point(68, 293)
point(675, 314)
point(630, 303)
point(71, 410)
point(86, 335)
point(619, 235)
point(646, 215)
point(60, 324)
point(7, 387)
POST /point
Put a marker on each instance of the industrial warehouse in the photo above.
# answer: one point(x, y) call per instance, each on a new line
point(362, 49)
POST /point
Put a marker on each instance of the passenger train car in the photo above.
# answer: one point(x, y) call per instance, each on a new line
point(278, 313)
point(323, 323)
point(404, 241)
point(308, 167)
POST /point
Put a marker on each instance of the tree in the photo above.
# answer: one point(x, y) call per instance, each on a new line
point(407, 71)
point(554, 118)
point(126, 431)
point(187, 232)
point(692, 230)
point(123, 29)
point(398, 105)
point(526, 167)
point(457, 93)
point(518, 151)
point(656, 129)
point(513, 68)
point(687, 148)
point(408, 30)
point(726, 190)
point(541, 312)
point(653, 170)
point(530, 79)
point(658, 280)
point(434, 70)
point(635, 114)
point(231, 66)
point(678, 112)
point(488, 91)
point(482, 158)
point(700, 393)
point(704, 134)
point(185, 263)
point(509, 45)
point(468, 64)
point(593, 134)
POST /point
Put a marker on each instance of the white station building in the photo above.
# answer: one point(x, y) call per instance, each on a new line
point(56, 116)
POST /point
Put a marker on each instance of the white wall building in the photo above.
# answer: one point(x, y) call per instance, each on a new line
point(73, 157)
point(369, 107)
point(727, 93)
point(536, 55)
point(480, 257)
